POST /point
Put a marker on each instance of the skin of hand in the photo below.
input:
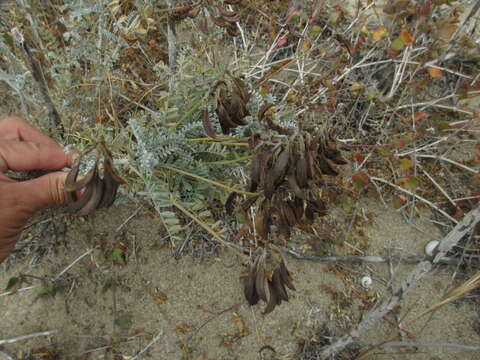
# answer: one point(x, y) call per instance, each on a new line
point(24, 148)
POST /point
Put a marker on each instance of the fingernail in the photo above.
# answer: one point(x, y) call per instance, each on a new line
point(72, 155)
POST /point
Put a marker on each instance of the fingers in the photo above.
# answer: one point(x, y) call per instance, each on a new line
point(15, 128)
point(41, 192)
point(25, 156)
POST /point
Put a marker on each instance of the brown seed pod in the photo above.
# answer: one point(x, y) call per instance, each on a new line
point(279, 285)
point(287, 213)
point(335, 155)
point(273, 300)
point(285, 275)
point(250, 290)
point(229, 203)
point(204, 26)
point(281, 165)
point(70, 180)
point(325, 166)
point(254, 174)
point(111, 182)
point(232, 30)
point(248, 203)
point(261, 282)
point(99, 192)
point(301, 172)
point(207, 125)
point(269, 286)
point(294, 187)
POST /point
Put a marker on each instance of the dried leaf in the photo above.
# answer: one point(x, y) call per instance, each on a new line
point(379, 33)
point(434, 72)
point(406, 163)
point(409, 182)
point(406, 37)
point(360, 180)
point(240, 324)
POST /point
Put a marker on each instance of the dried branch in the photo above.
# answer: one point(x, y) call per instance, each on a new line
point(453, 237)
point(26, 337)
point(154, 340)
point(362, 259)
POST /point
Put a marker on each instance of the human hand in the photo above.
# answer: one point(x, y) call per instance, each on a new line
point(23, 148)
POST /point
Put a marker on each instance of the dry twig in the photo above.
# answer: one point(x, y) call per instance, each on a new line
point(468, 222)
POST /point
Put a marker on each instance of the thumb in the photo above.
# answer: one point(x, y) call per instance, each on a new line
point(42, 192)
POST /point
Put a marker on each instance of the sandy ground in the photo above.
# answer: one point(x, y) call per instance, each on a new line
point(198, 305)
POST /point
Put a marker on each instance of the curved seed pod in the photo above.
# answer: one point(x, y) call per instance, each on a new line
point(301, 173)
point(238, 108)
point(207, 125)
point(278, 285)
point(318, 206)
point(288, 214)
point(268, 184)
point(297, 205)
point(250, 290)
point(281, 165)
point(229, 203)
point(261, 282)
point(82, 201)
point(273, 301)
point(285, 276)
point(237, 118)
point(80, 184)
point(265, 167)
point(262, 223)
point(224, 116)
point(254, 174)
point(242, 89)
point(91, 196)
point(335, 155)
point(325, 166)
point(70, 180)
point(232, 30)
point(93, 202)
point(292, 183)
point(204, 26)
point(309, 214)
point(248, 202)
point(111, 182)
point(259, 223)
